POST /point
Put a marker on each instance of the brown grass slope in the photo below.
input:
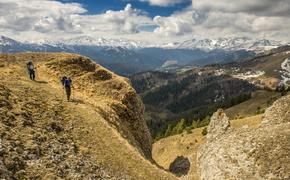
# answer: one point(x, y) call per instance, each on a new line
point(100, 135)
point(260, 100)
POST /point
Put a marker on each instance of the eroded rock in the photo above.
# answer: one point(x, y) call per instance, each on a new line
point(219, 124)
point(262, 153)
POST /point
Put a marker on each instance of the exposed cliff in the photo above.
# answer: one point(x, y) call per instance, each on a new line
point(99, 135)
point(260, 153)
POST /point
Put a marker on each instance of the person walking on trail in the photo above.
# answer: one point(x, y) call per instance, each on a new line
point(31, 70)
point(67, 84)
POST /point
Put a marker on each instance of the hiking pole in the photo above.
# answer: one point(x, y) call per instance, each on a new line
point(72, 93)
point(63, 93)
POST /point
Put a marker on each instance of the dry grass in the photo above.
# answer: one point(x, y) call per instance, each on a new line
point(89, 120)
point(249, 108)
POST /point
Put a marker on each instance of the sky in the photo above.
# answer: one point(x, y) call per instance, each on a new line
point(144, 20)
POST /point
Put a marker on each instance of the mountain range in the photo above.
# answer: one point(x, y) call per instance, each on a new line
point(127, 57)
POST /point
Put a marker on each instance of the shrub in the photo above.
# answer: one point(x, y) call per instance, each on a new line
point(194, 124)
point(188, 130)
point(168, 131)
point(204, 122)
point(180, 126)
point(204, 131)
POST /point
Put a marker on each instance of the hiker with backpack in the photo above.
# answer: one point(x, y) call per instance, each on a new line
point(67, 83)
point(31, 70)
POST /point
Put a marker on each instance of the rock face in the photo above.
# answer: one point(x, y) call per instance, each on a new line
point(277, 114)
point(180, 166)
point(220, 123)
point(262, 153)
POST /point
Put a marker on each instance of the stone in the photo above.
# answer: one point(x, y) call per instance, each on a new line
point(219, 124)
point(180, 166)
point(246, 153)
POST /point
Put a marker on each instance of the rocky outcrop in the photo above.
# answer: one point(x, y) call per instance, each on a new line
point(180, 166)
point(220, 123)
point(261, 153)
point(277, 114)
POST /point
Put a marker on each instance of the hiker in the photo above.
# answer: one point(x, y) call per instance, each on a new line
point(31, 70)
point(67, 83)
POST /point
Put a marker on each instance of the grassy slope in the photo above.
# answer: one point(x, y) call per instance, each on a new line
point(260, 99)
point(167, 149)
point(82, 123)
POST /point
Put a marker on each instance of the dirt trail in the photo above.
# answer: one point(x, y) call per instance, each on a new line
point(99, 144)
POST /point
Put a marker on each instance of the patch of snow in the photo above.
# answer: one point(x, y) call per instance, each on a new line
point(219, 72)
point(249, 75)
point(285, 72)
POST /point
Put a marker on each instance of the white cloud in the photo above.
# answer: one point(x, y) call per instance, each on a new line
point(163, 2)
point(36, 19)
point(177, 24)
point(224, 18)
point(258, 7)
point(38, 15)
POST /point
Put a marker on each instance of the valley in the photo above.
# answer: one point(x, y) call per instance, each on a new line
point(246, 87)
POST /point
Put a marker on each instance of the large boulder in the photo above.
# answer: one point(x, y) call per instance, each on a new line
point(180, 166)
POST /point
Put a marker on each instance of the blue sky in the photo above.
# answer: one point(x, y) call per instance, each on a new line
point(101, 6)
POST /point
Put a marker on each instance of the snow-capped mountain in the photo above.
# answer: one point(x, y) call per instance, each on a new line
point(5, 41)
point(127, 57)
point(90, 41)
point(231, 44)
point(241, 43)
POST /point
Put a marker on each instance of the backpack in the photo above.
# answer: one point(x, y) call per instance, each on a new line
point(63, 79)
point(30, 65)
point(67, 82)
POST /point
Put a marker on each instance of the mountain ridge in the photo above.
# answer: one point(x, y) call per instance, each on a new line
point(236, 43)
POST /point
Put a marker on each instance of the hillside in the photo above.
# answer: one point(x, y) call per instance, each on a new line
point(192, 95)
point(246, 87)
point(259, 101)
point(99, 135)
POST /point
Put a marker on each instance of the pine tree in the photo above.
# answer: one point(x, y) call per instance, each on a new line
point(180, 126)
point(194, 124)
point(205, 121)
point(168, 131)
